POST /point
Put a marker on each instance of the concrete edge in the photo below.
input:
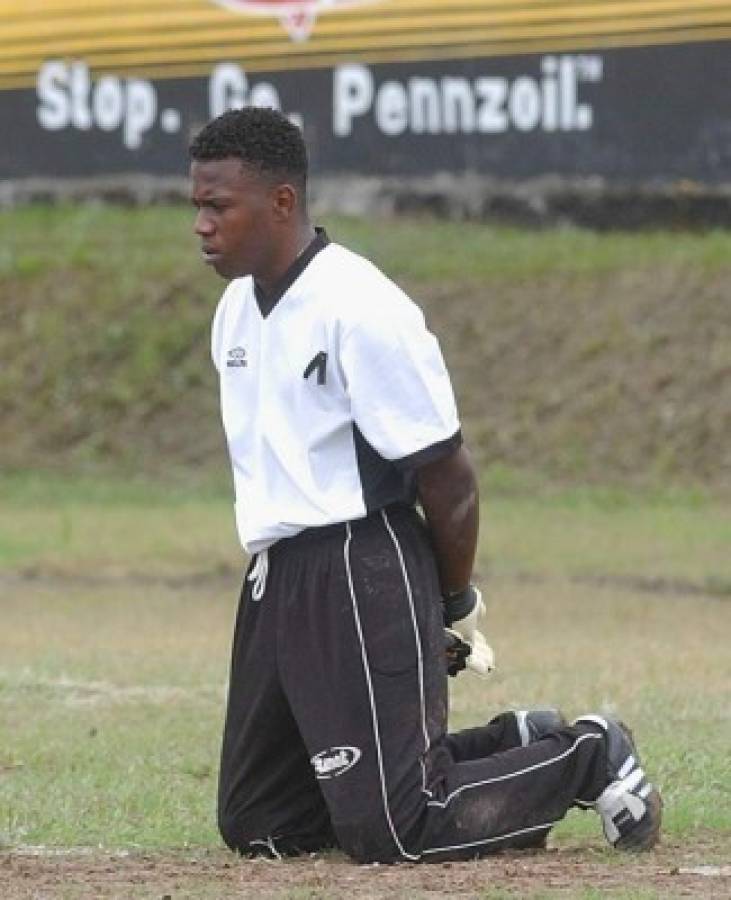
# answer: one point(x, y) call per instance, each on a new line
point(590, 202)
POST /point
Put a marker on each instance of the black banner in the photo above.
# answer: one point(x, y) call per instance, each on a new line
point(652, 112)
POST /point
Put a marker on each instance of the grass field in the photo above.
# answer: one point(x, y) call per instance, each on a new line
point(593, 379)
point(115, 619)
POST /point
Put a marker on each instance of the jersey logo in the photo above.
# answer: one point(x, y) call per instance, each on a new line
point(236, 358)
point(317, 363)
point(334, 761)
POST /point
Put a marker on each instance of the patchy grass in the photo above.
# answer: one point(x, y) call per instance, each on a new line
point(674, 540)
point(40, 239)
point(593, 380)
point(115, 624)
point(118, 601)
point(112, 697)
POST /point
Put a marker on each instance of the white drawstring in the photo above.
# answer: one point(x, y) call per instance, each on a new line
point(269, 844)
point(258, 575)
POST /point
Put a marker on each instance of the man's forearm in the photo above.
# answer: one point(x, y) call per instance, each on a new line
point(448, 494)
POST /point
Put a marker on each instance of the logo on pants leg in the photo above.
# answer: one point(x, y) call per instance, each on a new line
point(335, 761)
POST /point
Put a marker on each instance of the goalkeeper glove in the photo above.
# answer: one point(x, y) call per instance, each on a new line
point(466, 645)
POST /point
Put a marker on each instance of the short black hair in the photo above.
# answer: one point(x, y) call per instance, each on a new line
point(263, 139)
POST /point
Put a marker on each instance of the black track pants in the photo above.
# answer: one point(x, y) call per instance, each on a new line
point(337, 713)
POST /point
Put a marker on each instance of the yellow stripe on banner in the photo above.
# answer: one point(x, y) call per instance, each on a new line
point(132, 49)
point(108, 27)
point(107, 23)
point(185, 38)
point(275, 63)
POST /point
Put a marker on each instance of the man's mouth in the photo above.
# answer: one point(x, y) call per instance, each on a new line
point(210, 255)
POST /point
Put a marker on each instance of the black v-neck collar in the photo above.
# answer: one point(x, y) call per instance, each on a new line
point(267, 302)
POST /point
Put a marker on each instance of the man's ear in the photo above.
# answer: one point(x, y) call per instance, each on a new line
point(285, 201)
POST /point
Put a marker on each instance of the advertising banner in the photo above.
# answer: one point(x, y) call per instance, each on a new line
point(381, 87)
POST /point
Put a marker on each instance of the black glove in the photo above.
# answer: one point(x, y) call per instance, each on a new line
point(457, 652)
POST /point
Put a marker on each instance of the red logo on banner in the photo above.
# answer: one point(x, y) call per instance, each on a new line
point(297, 16)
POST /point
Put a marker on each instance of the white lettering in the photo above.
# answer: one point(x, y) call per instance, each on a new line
point(108, 103)
point(549, 67)
point(492, 117)
point(567, 83)
point(328, 763)
point(425, 105)
point(170, 120)
point(52, 89)
point(265, 95)
point(459, 105)
point(392, 108)
point(335, 762)
point(140, 112)
point(80, 86)
point(226, 89)
point(69, 98)
point(584, 117)
point(588, 68)
point(352, 96)
point(524, 105)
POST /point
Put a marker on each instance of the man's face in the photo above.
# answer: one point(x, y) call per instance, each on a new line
point(236, 215)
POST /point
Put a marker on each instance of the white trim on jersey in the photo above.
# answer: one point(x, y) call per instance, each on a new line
point(372, 701)
point(417, 642)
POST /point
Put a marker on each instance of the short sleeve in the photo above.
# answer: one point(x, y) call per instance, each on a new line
point(401, 395)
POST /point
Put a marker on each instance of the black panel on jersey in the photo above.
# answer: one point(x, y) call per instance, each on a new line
point(267, 302)
point(429, 454)
point(383, 484)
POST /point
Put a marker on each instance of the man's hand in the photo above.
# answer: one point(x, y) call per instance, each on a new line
point(465, 644)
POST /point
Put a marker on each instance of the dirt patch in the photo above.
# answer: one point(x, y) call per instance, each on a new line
point(671, 871)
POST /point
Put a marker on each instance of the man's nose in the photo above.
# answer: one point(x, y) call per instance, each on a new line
point(203, 224)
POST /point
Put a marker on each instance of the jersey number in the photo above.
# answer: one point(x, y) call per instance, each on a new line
point(317, 363)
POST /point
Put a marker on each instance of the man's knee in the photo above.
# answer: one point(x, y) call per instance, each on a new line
point(251, 838)
point(365, 842)
point(229, 827)
point(248, 838)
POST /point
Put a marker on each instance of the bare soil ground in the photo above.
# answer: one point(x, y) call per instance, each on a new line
point(670, 871)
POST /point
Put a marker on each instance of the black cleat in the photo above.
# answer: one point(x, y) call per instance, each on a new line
point(534, 724)
point(630, 806)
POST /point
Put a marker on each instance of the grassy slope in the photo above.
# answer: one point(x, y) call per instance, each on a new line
point(582, 356)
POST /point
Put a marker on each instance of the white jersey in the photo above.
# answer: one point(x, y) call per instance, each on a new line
point(333, 391)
